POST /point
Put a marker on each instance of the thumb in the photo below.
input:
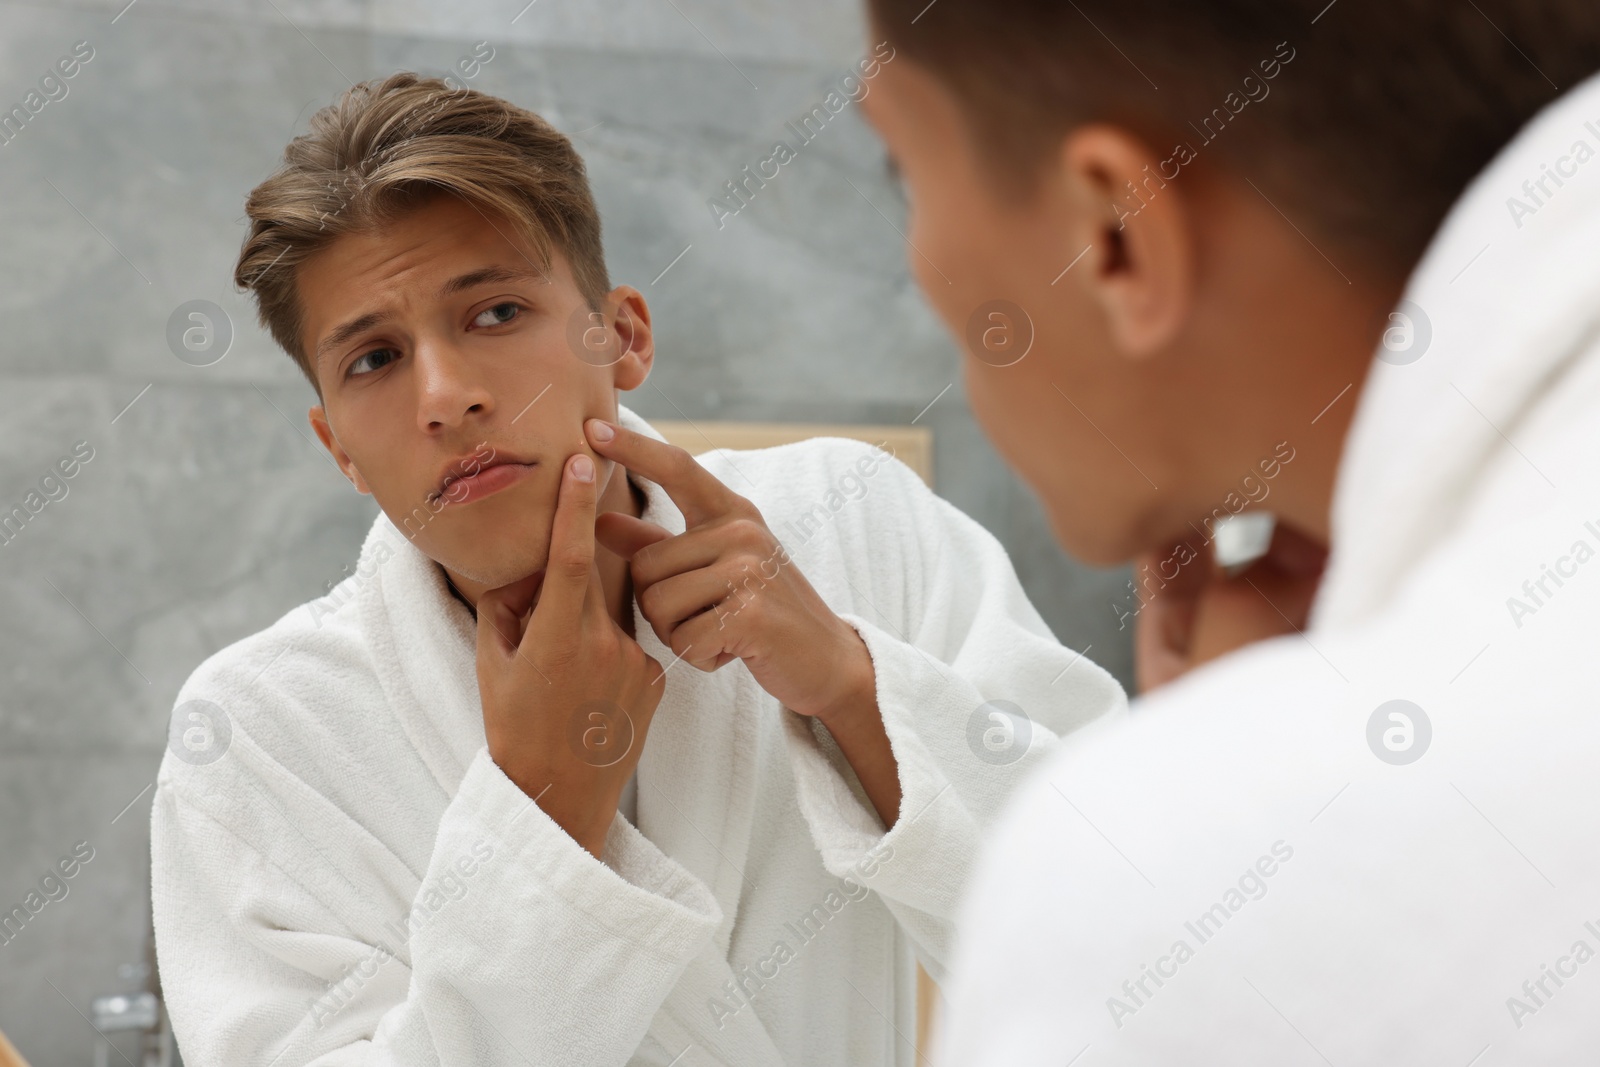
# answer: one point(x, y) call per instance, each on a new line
point(626, 535)
point(501, 613)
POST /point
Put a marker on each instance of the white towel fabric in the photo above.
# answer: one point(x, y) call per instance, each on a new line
point(354, 881)
point(1333, 906)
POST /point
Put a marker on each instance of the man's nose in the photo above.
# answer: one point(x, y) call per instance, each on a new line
point(449, 387)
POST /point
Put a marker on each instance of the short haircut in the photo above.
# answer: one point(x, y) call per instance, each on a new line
point(385, 147)
point(1384, 116)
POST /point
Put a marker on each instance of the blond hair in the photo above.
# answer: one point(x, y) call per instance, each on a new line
point(386, 146)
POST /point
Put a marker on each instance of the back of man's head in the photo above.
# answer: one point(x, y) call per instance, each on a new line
point(1385, 113)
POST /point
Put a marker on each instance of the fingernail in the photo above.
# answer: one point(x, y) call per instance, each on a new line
point(601, 431)
point(583, 468)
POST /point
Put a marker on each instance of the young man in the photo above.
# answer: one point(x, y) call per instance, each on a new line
point(1372, 841)
point(601, 756)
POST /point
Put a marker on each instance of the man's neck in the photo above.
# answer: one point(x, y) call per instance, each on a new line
point(1333, 331)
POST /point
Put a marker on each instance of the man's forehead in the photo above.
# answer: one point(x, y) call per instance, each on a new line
point(436, 237)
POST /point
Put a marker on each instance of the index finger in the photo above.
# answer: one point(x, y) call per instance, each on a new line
point(571, 554)
point(696, 491)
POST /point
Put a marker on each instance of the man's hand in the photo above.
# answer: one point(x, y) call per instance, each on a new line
point(725, 589)
point(567, 695)
point(1203, 613)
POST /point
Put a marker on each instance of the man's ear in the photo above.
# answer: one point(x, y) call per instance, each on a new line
point(631, 333)
point(1136, 219)
point(319, 423)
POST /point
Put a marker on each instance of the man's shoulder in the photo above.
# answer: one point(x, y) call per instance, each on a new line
point(319, 635)
point(839, 504)
point(801, 469)
point(264, 685)
point(823, 480)
point(314, 644)
point(296, 707)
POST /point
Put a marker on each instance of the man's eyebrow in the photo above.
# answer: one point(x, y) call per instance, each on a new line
point(350, 329)
point(485, 275)
point(460, 283)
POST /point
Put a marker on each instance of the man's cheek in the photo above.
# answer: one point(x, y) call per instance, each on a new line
point(935, 246)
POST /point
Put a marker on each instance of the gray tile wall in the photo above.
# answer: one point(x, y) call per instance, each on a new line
point(206, 510)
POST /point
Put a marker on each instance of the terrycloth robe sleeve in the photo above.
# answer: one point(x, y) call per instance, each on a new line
point(974, 690)
point(519, 947)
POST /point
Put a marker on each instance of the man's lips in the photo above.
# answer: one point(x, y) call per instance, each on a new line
point(487, 481)
point(475, 477)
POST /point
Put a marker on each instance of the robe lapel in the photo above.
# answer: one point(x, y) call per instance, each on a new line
point(697, 782)
point(697, 791)
point(424, 647)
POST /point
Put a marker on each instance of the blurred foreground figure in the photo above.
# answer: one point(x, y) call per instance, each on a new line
point(1335, 262)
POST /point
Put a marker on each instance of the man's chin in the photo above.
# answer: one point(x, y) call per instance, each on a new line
point(498, 575)
point(1094, 539)
point(490, 570)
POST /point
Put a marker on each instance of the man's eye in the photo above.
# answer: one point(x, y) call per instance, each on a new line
point(496, 315)
point(368, 362)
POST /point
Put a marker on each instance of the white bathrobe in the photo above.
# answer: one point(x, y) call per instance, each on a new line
point(354, 880)
point(1236, 851)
